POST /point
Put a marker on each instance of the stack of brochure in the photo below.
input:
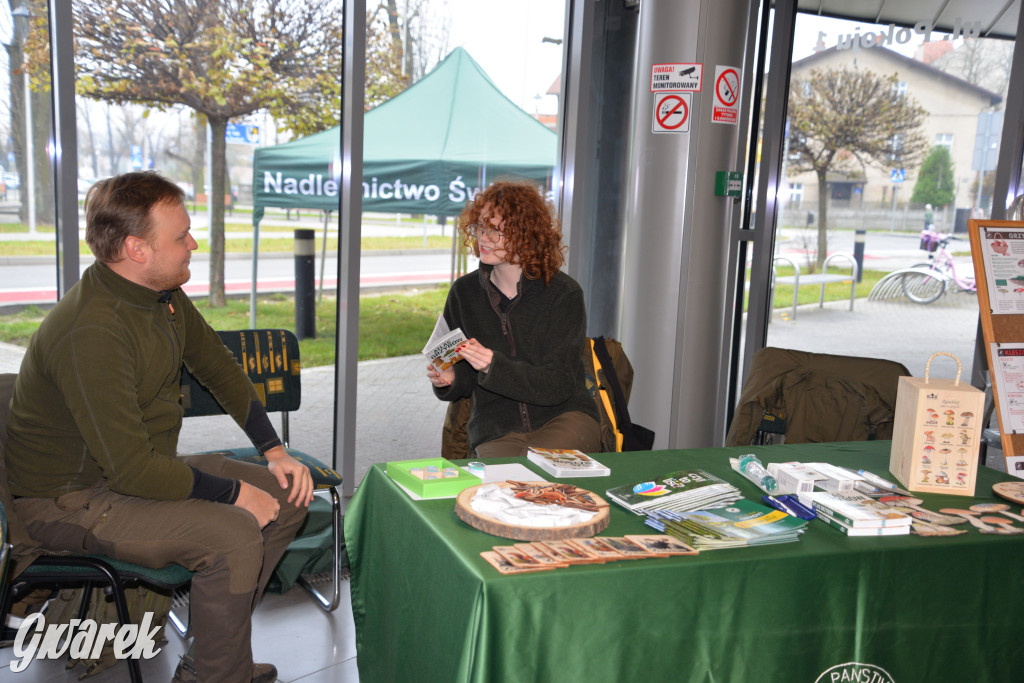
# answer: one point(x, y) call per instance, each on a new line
point(739, 524)
point(566, 462)
point(679, 491)
point(856, 514)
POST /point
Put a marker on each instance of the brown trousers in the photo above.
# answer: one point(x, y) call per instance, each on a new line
point(233, 559)
point(568, 430)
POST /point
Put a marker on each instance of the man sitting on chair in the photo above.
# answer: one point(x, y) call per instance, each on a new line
point(92, 454)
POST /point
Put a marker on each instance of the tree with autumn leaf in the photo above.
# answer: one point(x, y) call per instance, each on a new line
point(224, 59)
point(846, 119)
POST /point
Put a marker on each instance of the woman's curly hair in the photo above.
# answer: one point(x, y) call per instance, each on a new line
point(533, 237)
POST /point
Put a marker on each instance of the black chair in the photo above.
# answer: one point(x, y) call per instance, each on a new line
point(271, 359)
point(36, 567)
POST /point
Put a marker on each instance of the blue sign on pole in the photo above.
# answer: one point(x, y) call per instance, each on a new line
point(136, 157)
point(242, 134)
point(898, 175)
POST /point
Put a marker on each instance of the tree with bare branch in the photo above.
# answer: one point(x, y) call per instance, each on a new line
point(985, 62)
point(224, 59)
point(846, 119)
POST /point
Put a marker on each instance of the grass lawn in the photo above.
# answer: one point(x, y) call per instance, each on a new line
point(834, 291)
point(242, 245)
point(389, 324)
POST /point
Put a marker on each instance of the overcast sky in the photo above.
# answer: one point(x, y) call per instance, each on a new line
point(506, 39)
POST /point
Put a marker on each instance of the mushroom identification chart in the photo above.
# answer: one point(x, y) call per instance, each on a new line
point(1008, 369)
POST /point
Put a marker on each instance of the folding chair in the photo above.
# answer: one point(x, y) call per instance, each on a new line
point(271, 359)
point(67, 570)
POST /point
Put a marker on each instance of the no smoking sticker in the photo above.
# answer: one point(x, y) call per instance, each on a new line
point(672, 112)
point(726, 108)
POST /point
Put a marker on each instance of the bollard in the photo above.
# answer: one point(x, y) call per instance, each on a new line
point(305, 308)
point(858, 251)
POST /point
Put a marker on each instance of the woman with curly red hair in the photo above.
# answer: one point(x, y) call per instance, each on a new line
point(526, 325)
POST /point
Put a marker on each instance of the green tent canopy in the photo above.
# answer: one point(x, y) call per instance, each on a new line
point(427, 150)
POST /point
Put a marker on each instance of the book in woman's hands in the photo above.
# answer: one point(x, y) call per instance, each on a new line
point(442, 349)
point(566, 462)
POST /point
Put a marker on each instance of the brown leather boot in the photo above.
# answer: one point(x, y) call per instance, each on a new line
point(186, 672)
point(264, 673)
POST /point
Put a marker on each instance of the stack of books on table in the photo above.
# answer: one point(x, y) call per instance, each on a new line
point(678, 491)
point(741, 523)
point(856, 514)
point(566, 462)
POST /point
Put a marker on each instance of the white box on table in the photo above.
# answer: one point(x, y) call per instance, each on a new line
point(793, 477)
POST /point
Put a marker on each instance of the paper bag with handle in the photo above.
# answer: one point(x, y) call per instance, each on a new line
point(937, 433)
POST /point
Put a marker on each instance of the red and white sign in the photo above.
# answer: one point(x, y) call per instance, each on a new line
point(726, 108)
point(672, 113)
point(676, 77)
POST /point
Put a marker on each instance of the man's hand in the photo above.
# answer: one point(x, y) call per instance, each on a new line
point(263, 506)
point(282, 466)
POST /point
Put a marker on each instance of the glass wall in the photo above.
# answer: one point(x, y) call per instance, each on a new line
point(484, 82)
point(27, 215)
point(891, 130)
point(481, 90)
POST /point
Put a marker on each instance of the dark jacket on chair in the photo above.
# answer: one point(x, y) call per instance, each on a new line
point(821, 397)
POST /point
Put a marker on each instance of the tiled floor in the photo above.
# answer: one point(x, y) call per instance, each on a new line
point(290, 630)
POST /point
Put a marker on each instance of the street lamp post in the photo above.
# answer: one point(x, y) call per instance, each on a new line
point(30, 170)
point(22, 15)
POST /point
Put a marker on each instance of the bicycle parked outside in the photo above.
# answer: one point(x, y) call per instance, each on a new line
point(924, 283)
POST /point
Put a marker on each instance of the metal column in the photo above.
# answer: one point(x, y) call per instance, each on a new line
point(350, 209)
point(677, 242)
point(65, 143)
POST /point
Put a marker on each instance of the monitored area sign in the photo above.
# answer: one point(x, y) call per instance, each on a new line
point(676, 77)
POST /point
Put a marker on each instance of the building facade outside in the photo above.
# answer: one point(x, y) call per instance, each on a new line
point(952, 105)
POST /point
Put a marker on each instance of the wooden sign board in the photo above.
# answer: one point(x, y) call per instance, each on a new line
point(997, 248)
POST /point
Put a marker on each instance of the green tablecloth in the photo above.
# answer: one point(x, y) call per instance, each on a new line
point(428, 608)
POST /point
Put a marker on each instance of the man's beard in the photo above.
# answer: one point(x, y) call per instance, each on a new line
point(163, 282)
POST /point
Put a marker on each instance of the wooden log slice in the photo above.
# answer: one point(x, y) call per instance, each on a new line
point(496, 527)
point(1010, 490)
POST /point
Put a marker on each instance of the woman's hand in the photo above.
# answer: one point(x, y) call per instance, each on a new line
point(477, 355)
point(440, 379)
